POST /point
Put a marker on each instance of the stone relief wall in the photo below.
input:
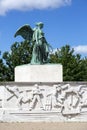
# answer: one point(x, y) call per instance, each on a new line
point(54, 102)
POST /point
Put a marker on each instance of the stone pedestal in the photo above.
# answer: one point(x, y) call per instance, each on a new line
point(39, 73)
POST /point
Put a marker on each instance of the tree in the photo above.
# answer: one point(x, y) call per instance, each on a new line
point(84, 67)
point(2, 69)
point(73, 69)
point(19, 54)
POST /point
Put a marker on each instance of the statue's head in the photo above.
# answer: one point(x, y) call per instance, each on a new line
point(40, 24)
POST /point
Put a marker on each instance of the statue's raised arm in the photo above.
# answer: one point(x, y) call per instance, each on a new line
point(41, 48)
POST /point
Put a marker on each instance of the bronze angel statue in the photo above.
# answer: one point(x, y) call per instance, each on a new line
point(36, 36)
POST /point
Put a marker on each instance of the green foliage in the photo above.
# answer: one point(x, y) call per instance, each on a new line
point(2, 69)
point(19, 54)
point(84, 68)
point(73, 66)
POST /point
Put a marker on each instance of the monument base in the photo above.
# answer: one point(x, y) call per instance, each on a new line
point(39, 73)
point(43, 102)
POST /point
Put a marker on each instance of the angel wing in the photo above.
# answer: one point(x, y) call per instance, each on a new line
point(25, 31)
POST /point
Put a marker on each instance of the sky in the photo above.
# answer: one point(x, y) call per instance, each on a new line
point(65, 22)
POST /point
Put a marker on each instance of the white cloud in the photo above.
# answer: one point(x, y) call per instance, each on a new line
point(81, 49)
point(7, 5)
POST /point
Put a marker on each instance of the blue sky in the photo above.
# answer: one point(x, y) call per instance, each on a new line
point(65, 21)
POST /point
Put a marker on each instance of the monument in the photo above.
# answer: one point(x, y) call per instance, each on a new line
point(39, 70)
point(39, 93)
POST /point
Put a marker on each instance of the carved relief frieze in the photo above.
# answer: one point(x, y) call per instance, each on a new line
point(68, 100)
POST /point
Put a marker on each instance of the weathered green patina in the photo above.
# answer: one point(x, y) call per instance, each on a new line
point(41, 49)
